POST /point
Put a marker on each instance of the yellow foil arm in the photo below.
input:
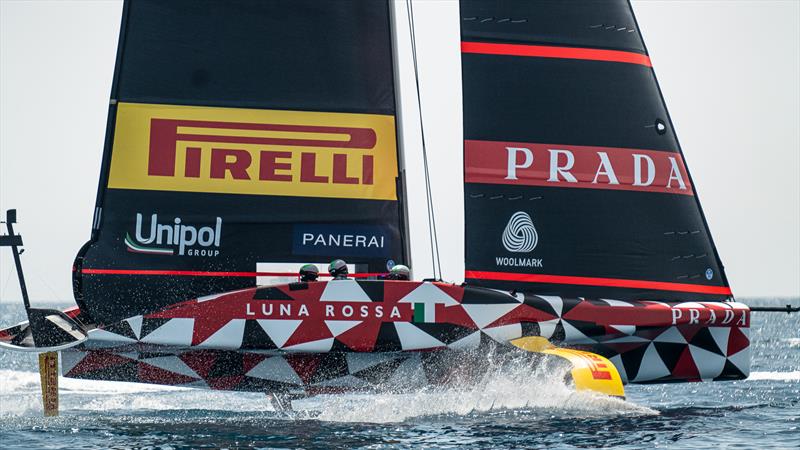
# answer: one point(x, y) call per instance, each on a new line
point(590, 371)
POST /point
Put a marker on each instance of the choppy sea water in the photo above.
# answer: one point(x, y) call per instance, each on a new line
point(509, 411)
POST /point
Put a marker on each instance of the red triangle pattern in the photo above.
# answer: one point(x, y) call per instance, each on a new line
point(686, 367)
point(157, 375)
point(305, 366)
point(200, 361)
point(98, 360)
point(737, 341)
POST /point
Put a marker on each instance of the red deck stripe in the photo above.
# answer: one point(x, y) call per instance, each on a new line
point(607, 282)
point(195, 273)
point(547, 51)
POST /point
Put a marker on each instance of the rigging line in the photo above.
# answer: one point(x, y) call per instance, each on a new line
point(435, 261)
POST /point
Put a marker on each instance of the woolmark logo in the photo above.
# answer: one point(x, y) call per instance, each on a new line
point(520, 235)
point(166, 238)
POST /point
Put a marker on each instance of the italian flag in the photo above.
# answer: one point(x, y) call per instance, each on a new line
point(424, 312)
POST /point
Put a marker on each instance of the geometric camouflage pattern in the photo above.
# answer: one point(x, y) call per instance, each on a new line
point(354, 335)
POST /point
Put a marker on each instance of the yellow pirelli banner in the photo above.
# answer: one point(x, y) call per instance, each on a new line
point(254, 151)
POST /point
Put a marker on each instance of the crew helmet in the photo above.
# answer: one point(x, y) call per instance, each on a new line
point(400, 272)
point(338, 269)
point(309, 272)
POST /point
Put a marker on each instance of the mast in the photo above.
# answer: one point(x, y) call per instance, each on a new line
point(401, 156)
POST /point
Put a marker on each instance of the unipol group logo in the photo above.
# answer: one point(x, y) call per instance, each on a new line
point(257, 152)
point(174, 236)
point(520, 235)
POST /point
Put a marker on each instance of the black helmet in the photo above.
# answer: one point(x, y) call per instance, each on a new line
point(399, 272)
point(338, 269)
point(309, 272)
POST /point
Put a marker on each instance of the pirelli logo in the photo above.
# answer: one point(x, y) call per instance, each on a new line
point(257, 152)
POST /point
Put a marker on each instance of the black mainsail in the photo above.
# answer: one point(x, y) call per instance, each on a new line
point(241, 136)
point(575, 183)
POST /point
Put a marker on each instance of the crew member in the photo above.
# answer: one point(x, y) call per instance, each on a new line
point(338, 269)
point(309, 272)
point(399, 272)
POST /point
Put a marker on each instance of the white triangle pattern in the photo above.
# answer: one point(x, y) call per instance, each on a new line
point(357, 362)
point(484, 315)
point(709, 364)
point(409, 374)
point(742, 360)
point(428, 293)
point(574, 335)
point(671, 335)
point(279, 330)
point(109, 337)
point(136, 325)
point(347, 381)
point(556, 302)
point(172, 364)
point(721, 335)
point(412, 338)
point(617, 361)
point(625, 329)
point(319, 346)
point(275, 369)
point(652, 367)
point(504, 333)
point(177, 332)
point(229, 337)
point(469, 342)
point(548, 327)
point(344, 291)
point(70, 358)
point(338, 327)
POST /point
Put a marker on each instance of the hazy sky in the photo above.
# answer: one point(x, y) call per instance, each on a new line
point(729, 72)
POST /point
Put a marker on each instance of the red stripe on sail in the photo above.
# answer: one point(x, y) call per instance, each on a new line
point(605, 282)
point(547, 51)
point(199, 273)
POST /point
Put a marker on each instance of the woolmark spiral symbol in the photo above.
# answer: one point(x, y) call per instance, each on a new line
point(520, 235)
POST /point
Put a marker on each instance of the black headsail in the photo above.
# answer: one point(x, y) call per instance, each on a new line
point(243, 136)
point(575, 183)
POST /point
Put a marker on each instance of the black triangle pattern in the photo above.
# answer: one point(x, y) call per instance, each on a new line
point(373, 289)
point(270, 293)
point(121, 328)
point(590, 329)
point(540, 304)
point(150, 325)
point(531, 329)
point(559, 334)
point(704, 340)
point(254, 337)
point(381, 372)
point(730, 371)
point(568, 304)
point(669, 353)
point(485, 297)
point(332, 366)
point(388, 340)
point(445, 332)
point(632, 361)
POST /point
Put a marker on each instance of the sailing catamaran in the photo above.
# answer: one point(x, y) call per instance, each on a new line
point(246, 138)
